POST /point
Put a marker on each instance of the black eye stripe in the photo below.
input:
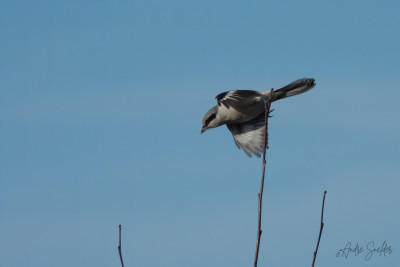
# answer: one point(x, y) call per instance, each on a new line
point(209, 119)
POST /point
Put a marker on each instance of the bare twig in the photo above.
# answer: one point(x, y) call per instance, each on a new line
point(320, 229)
point(119, 247)
point(267, 104)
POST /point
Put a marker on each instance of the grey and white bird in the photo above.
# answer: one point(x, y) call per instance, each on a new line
point(243, 112)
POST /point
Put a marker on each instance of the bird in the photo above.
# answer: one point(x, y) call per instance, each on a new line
point(243, 112)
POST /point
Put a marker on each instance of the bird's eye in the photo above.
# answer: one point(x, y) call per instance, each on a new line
point(209, 119)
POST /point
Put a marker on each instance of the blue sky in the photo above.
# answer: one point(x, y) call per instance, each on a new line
point(101, 105)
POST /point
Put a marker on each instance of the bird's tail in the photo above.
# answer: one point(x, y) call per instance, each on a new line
point(297, 87)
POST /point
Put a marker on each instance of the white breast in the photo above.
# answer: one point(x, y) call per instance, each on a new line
point(243, 114)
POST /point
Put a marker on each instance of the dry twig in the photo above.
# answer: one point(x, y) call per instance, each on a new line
point(119, 247)
point(320, 229)
point(267, 104)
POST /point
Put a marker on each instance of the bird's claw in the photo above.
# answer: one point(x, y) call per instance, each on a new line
point(270, 116)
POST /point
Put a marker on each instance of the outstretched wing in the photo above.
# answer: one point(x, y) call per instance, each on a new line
point(237, 98)
point(249, 135)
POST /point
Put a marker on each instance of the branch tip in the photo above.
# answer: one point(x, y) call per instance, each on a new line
point(267, 106)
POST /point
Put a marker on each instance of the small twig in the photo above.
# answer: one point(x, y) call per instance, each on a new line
point(119, 247)
point(320, 229)
point(267, 104)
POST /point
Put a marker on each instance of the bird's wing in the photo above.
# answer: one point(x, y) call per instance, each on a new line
point(249, 135)
point(238, 98)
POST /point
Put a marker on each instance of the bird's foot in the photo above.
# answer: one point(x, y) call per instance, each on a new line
point(270, 116)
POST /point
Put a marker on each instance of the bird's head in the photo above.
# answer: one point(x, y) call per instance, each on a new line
point(209, 120)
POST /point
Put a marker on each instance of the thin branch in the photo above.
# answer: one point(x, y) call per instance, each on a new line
point(320, 230)
point(119, 247)
point(267, 104)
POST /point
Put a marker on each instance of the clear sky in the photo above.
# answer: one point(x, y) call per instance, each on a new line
point(101, 104)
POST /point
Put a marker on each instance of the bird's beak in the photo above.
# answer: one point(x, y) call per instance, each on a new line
point(203, 130)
